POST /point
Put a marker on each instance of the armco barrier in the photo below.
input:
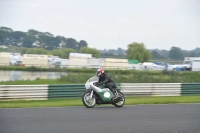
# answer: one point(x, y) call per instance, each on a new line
point(151, 89)
point(63, 91)
point(30, 92)
point(190, 89)
point(44, 92)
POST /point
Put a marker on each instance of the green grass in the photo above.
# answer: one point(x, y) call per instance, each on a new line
point(78, 101)
point(40, 103)
point(162, 100)
point(122, 77)
point(33, 82)
point(77, 75)
point(40, 69)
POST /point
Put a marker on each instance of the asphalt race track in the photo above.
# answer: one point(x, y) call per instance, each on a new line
point(175, 118)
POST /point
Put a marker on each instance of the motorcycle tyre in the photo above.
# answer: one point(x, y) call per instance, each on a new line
point(116, 105)
point(83, 100)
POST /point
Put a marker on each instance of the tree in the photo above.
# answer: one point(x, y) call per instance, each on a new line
point(193, 54)
point(120, 51)
point(137, 51)
point(23, 50)
point(35, 33)
point(71, 43)
point(28, 41)
point(62, 41)
point(17, 37)
point(48, 34)
point(4, 37)
point(156, 55)
point(63, 53)
point(6, 29)
point(113, 51)
point(37, 51)
point(67, 51)
point(82, 44)
point(58, 52)
point(176, 53)
point(95, 53)
point(49, 42)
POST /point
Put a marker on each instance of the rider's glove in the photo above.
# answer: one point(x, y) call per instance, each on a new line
point(98, 84)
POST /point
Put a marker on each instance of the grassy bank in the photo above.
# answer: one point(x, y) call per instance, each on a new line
point(69, 79)
point(78, 102)
point(39, 69)
point(80, 76)
point(118, 77)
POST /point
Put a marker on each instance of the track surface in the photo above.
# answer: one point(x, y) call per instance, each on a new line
point(177, 118)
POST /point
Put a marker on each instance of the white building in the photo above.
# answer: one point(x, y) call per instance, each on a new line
point(78, 60)
point(79, 56)
point(95, 63)
point(112, 63)
point(5, 59)
point(35, 60)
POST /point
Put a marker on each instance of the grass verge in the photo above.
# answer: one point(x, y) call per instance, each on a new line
point(78, 101)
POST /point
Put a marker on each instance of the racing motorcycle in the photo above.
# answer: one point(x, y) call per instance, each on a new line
point(100, 95)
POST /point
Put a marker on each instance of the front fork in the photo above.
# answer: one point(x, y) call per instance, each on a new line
point(91, 94)
point(89, 98)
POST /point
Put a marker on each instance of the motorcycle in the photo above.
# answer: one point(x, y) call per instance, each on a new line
point(95, 94)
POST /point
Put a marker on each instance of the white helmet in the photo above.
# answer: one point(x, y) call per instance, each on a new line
point(100, 71)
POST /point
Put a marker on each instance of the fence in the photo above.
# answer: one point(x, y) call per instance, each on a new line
point(190, 89)
point(64, 91)
point(151, 89)
point(29, 92)
point(44, 92)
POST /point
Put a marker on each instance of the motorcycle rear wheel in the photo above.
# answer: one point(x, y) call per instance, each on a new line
point(87, 101)
point(120, 103)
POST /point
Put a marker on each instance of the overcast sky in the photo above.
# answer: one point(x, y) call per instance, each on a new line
point(109, 24)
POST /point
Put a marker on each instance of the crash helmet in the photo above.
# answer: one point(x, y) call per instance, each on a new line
point(100, 71)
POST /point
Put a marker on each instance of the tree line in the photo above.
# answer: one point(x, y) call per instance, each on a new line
point(139, 52)
point(136, 51)
point(175, 53)
point(62, 53)
point(36, 42)
point(34, 38)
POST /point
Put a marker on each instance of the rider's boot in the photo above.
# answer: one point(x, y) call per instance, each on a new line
point(116, 94)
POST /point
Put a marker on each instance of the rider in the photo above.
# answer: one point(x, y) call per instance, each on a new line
point(104, 78)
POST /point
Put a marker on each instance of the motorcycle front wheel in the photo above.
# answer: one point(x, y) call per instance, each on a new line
point(87, 101)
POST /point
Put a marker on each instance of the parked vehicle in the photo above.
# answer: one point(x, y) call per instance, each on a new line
point(100, 95)
point(191, 63)
point(154, 66)
point(176, 67)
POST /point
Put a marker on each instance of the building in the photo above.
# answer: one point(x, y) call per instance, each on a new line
point(94, 63)
point(112, 63)
point(79, 56)
point(77, 63)
point(4, 59)
point(78, 60)
point(133, 65)
point(35, 60)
